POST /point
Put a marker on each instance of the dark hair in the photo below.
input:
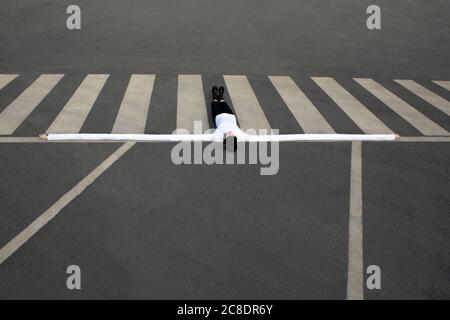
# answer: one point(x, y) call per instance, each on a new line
point(230, 144)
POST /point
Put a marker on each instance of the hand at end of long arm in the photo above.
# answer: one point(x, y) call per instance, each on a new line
point(43, 136)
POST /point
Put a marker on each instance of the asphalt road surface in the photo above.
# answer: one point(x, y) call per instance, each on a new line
point(140, 226)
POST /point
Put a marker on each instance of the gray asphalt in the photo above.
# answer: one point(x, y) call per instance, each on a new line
point(149, 229)
point(287, 37)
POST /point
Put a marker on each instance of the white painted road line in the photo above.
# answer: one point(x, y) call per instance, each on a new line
point(427, 95)
point(402, 108)
point(12, 117)
point(248, 110)
point(191, 105)
point(355, 276)
point(443, 84)
point(306, 114)
point(76, 110)
point(37, 140)
point(358, 113)
point(5, 79)
point(424, 139)
point(56, 208)
point(133, 112)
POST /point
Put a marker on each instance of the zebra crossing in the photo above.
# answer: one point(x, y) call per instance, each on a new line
point(133, 111)
point(191, 104)
point(75, 112)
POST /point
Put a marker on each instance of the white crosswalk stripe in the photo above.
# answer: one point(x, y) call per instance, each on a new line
point(402, 108)
point(191, 105)
point(5, 79)
point(248, 110)
point(306, 114)
point(359, 114)
point(133, 111)
point(13, 116)
point(76, 110)
point(427, 95)
point(443, 84)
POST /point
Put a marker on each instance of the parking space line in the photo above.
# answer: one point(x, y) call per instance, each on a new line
point(56, 208)
point(355, 276)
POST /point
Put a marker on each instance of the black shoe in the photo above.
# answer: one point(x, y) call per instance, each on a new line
point(215, 93)
point(221, 91)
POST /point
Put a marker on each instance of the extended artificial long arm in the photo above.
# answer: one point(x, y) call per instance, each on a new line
point(210, 137)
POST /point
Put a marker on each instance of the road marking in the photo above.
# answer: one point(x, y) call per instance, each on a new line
point(56, 208)
point(76, 110)
point(14, 114)
point(359, 114)
point(402, 108)
point(5, 79)
point(306, 114)
point(249, 112)
point(355, 276)
point(424, 139)
point(133, 111)
point(427, 95)
point(443, 84)
point(191, 105)
point(37, 140)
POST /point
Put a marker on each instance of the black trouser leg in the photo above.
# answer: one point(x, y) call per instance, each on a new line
point(218, 108)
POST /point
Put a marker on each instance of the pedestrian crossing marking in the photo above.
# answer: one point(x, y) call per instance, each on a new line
point(14, 114)
point(248, 110)
point(443, 84)
point(427, 95)
point(76, 110)
point(5, 79)
point(191, 105)
point(306, 114)
point(133, 111)
point(359, 114)
point(402, 108)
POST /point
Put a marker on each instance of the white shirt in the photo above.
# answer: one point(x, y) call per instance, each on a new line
point(226, 122)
